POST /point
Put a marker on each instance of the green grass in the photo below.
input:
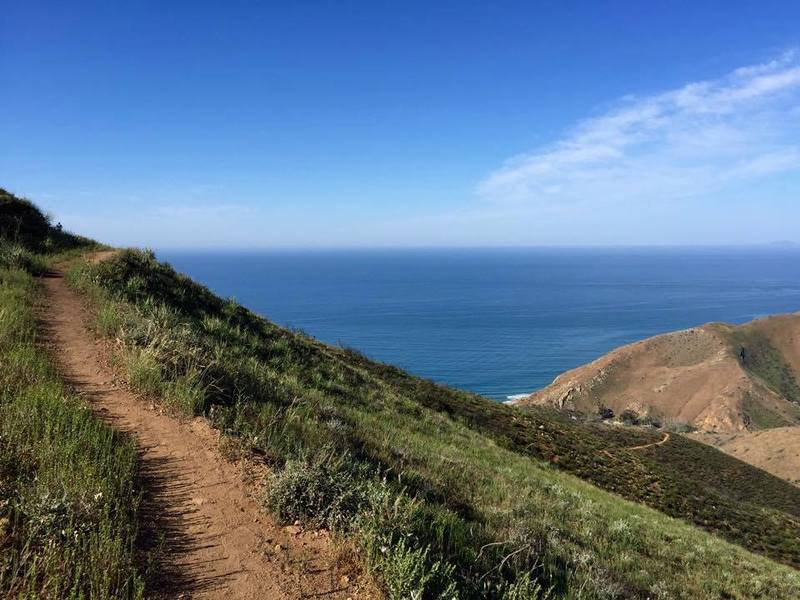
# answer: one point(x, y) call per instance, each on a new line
point(675, 490)
point(16, 256)
point(764, 361)
point(68, 483)
point(447, 493)
point(733, 480)
point(69, 491)
point(762, 417)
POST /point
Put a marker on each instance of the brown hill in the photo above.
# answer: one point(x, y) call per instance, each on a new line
point(776, 451)
point(717, 377)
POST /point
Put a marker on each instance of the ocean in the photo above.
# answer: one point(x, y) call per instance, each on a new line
point(499, 322)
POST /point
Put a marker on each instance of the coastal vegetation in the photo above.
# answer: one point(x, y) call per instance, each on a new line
point(446, 492)
point(69, 490)
point(435, 492)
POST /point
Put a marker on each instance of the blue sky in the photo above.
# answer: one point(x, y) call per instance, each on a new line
point(245, 124)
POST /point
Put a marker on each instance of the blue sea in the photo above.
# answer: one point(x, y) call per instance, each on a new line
point(499, 322)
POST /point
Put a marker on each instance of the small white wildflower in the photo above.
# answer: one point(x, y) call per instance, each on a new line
point(620, 526)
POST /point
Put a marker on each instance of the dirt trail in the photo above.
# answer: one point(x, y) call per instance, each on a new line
point(658, 443)
point(217, 543)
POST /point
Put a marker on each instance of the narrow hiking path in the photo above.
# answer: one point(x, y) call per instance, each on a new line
point(658, 443)
point(215, 540)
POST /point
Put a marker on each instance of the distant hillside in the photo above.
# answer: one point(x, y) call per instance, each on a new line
point(717, 377)
point(776, 451)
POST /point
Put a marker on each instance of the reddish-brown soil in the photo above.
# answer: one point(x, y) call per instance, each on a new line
point(215, 540)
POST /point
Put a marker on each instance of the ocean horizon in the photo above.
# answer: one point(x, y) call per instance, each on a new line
point(501, 322)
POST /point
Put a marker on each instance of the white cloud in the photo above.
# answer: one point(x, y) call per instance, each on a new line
point(685, 143)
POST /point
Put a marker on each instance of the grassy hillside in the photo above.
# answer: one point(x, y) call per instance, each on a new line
point(68, 495)
point(763, 360)
point(68, 483)
point(734, 480)
point(677, 489)
point(448, 494)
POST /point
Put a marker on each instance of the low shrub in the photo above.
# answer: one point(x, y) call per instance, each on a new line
point(16, 256)
point(144, 372)
point(109, 319)
point(677, 426)
point(186, 394)
point(319, 492)
point(409, 572)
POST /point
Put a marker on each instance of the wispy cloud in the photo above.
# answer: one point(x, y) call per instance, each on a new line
point(702, 138)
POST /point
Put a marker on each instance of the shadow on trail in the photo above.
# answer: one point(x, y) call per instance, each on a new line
point(166, 511)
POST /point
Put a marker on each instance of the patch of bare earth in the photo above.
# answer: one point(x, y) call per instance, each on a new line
point(215, 541)
point(692, 376)
point(776, 451)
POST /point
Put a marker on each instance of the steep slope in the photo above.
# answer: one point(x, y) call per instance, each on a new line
point(26, 229)
point(495, 491)
point(439, 493)
point(776, 451)
point(101, 496)
point(716, 377)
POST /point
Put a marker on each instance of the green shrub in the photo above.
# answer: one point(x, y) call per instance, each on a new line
point(318, 492)
point(186, 394)
point(323, 493)
point(677, 426)
point(410, 573)
point(763, 360)
point(144, 372)
point(109, 319)
point(22, 222)
point(23, 225)
point(16, 256)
